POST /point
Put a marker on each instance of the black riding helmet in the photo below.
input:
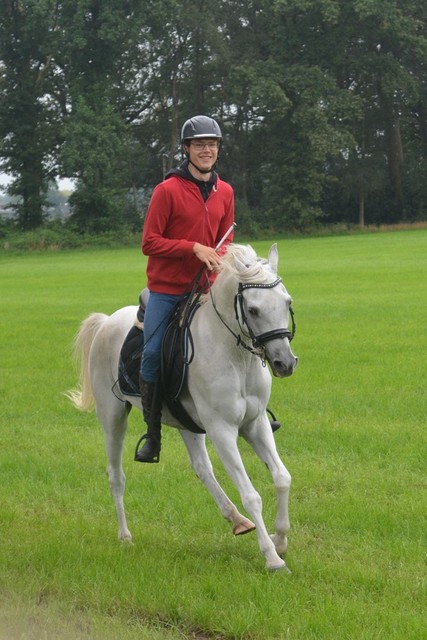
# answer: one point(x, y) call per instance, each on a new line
point(200, 127)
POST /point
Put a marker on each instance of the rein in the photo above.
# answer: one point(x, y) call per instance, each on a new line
point(258, 341)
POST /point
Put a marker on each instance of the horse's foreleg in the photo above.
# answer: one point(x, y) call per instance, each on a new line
point(200, 462)
point(263, 444)
point(114, 422)
point(225, 444)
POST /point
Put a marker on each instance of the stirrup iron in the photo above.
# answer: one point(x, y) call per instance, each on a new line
point(149, 456)
point(275, 424)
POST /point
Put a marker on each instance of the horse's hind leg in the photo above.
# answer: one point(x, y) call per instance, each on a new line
point(202, 466)
point(113, 417)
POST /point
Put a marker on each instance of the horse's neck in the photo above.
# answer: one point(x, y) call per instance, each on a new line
point(217, 314)
point(222, 297)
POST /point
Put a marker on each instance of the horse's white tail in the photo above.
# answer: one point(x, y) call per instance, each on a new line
point(82, 397)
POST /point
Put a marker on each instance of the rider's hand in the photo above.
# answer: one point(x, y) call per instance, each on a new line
point(207, 255)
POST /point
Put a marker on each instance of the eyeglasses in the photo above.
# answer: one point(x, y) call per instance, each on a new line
point(199, 146)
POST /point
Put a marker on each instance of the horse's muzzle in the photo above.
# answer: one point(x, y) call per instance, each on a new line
point(283, 368)
point(282, 371)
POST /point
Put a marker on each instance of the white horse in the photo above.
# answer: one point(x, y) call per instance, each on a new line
point(241, 324)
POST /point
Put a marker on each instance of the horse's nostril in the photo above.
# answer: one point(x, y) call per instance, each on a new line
point(282, 369)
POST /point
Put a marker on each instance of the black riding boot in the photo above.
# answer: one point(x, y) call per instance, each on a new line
point(151, 399)
point(275, 424)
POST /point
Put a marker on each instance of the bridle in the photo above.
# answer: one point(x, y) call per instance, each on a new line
point(258, 341)
point(261, 339)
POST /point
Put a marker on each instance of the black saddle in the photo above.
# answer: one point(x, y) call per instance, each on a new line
point(177, 353)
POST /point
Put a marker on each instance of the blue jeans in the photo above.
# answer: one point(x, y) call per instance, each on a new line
point(158, 311)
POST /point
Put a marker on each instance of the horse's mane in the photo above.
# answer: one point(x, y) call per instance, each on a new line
point(252, 269)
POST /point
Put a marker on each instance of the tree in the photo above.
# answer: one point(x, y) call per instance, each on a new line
point(28, 116)
point(322, 104)
point(98, 37)
point(95, 154)
point(290, 111)
point(178, 72)
point(380, 53)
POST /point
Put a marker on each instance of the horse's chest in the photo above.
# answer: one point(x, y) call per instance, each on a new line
point(256, 386)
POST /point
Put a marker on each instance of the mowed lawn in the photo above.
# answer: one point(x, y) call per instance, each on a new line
point(353, 438)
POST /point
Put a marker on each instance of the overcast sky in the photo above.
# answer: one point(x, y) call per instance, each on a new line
point(63, 185)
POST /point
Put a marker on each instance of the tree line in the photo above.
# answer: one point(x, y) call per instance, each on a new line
point(322, 104)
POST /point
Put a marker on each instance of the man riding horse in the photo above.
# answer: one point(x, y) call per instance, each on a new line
point(188, 215)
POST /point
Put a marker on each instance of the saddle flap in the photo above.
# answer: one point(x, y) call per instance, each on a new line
point(177, 350)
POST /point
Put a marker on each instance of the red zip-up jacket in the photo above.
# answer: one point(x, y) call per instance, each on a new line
point(176, 219)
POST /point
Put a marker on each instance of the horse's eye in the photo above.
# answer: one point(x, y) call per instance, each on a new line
point(253, 311)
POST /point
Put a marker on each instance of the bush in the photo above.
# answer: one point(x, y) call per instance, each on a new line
point(58, 236)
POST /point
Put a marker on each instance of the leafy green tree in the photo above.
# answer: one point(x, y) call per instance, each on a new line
point(289, 113)
point(28, 116)
point(95, 154)
point(378, 52)
point(178, 73)
point(98, 37)
point(322, 104)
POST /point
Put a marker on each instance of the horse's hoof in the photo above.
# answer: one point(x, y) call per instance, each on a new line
point(283, 568)
point(242, 527)
point(126, 538)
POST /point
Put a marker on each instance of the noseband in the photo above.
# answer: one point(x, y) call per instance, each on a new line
point(261, 339)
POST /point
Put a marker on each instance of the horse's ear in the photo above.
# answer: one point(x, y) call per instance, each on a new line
point(273, 257)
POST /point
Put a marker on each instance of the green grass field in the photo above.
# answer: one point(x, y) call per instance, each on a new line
point(353, 438)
